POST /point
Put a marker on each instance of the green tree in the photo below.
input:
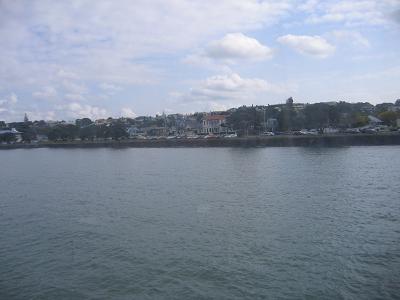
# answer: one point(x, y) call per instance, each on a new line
point(389, 117)
point(359, 120)
point(28, 135)
point(83, 122)
point(117, 131)
point(316, 115)
point(87, 133)
point(70, 131)
point(286, 118)
point(63, 132)
point(101, 131)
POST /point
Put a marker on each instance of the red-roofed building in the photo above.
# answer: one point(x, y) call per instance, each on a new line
point(214, 124)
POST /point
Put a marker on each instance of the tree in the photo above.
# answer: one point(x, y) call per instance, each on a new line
point(320, 115)
point(87, 133)
point(289, 102)
point(71, 131)
point(28, 135)
point(117, 131)
point(63, 132)
point(83, 122)
point(359, 120)
point(101, 131)
point(246, 119)
point(389, 117)
point(286, 117)
point(54, 134)
point(382, 107)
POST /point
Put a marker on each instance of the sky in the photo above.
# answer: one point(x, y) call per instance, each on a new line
point(62, 60)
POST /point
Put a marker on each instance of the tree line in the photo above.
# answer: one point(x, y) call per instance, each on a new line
point(252, 119)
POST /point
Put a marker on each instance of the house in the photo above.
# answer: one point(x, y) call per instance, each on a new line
point(214, 124)
point(42, 138)
point(99, 122)
point(271, 124)
point(373, 121)
point(133, 131)
point(7, 133)
point(395, 107)
point(192, 126)
point(156, 131)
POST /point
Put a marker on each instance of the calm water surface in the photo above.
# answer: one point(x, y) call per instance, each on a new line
point(270, 223)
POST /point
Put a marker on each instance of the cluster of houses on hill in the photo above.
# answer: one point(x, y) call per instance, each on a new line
point(267, 120)
point(176, 125)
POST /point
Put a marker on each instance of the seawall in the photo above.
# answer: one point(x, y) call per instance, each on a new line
point(256, 141)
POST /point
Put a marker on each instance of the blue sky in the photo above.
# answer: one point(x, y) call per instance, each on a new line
point(73, 59)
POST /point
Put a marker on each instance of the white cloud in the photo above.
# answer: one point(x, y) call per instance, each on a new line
point(355, 12)
point(74, 97)
point(308, 6)
point(41, 115)
point(7, 106)
point(73, 87)
point(77, 110)
point(233, 48)
point(128, 112)
point(308, 45)
point(46, 93)
point(238, 46)
point(352, 37)
point(9, 100)
point(67, 74)
point(231, 88)
point(110, 87)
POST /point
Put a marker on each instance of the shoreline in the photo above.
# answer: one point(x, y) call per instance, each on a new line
point(251, 141)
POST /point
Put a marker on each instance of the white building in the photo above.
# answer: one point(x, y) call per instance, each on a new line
point(214, 124)
point(374, 121)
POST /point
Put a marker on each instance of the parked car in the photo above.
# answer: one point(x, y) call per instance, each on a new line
point(268, 133)
point(370, 130)
point(352, 130)
point(313, 132)
point(210, 136)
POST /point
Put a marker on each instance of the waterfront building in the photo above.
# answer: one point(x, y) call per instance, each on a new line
point(214, 124)
point(156, 131)
point(271, 124)
point(17, 135)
